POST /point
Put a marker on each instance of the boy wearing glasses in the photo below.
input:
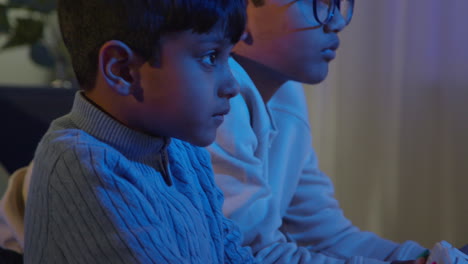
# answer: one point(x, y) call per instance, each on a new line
point(262, 157)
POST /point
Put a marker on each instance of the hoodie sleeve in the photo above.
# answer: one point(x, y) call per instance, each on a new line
point(315, 220)
point(313, 229)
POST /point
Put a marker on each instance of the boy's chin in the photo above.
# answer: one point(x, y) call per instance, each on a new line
point(311, 75)
point(203, 141)
point(315, 78)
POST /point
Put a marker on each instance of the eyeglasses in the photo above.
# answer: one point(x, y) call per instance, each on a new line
point(324, 10)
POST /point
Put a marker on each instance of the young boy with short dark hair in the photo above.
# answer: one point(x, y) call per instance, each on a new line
point(117, 180)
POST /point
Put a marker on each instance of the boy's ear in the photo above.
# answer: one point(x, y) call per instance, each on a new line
point(247, 37)
point(116, 60)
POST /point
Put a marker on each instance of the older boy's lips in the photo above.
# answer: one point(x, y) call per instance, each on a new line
point(329, 53)
point(334, 44)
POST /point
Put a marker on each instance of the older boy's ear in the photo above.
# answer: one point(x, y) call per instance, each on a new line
point(116, 60)
point(247, 37)
point(155, 60)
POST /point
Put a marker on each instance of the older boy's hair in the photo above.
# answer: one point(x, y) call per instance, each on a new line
point(258, 3)
point(87, 24)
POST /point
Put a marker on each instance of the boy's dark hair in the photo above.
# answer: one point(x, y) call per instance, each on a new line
point(258, 3)
point(87, 24)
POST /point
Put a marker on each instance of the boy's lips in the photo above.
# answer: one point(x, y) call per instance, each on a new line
point(329, 52)
point(219, 116)
point(334, 44)
point(223, 112)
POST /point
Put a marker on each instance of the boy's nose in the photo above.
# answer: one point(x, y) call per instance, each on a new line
point(229, 86)
point(337, 23)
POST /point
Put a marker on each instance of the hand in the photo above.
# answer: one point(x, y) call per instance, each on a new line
point(464, 249)
point(416, 261)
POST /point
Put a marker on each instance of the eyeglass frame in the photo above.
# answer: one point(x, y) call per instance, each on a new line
point(331, 12)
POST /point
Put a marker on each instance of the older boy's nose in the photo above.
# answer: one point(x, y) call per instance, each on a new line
point(337, 23)
point(229, 86)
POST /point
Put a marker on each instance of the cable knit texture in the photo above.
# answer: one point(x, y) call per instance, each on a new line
point(103, 193)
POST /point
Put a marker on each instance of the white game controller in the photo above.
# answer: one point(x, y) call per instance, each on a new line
point(444, 253)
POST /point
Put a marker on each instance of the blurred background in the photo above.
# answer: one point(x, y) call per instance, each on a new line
point(390, 124)
point(35, 79)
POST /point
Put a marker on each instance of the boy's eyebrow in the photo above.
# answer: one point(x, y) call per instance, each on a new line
point(217, 39)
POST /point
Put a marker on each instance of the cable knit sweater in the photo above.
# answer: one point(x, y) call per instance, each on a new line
point(103, 193)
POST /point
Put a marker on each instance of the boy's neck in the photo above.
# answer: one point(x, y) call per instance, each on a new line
point(265, 79)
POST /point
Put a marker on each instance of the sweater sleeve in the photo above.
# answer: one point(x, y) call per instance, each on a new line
point(89, 214)
point(234, 252)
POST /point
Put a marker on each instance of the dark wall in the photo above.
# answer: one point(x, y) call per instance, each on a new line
point(25, 115)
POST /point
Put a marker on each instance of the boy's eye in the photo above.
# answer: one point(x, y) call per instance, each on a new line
point(210, 58)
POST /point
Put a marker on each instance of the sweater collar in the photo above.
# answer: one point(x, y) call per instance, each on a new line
point(133, 144)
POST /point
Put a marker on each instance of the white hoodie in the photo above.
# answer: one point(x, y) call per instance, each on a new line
point(284, 205)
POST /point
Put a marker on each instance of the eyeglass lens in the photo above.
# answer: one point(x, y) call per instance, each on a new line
point(323, 10)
